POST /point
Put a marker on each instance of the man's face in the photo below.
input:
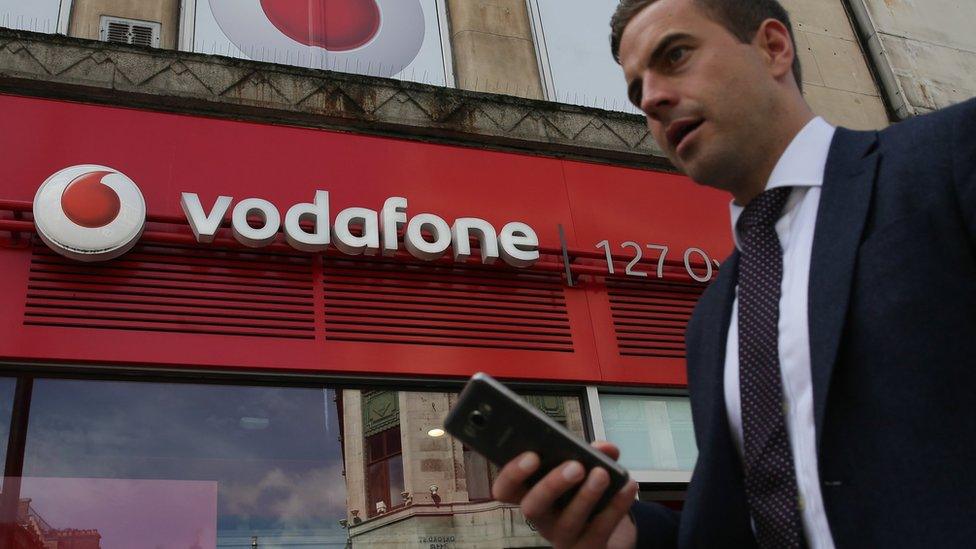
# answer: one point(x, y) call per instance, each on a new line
point(704, 92)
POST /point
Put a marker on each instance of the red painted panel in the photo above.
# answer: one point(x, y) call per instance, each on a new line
point(166, 154)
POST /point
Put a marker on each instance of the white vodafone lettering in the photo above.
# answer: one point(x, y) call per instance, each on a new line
point(421, 248)
point(519, 245)
point(316, 213)
point(362, 231)
point(204, 226)
point(255, 237)
point(348, 243)
point(394, 217)
point(461, 233)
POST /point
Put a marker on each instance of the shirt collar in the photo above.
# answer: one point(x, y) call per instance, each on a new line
point(801, 165)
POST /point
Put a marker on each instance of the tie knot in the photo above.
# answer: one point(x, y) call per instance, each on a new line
point(765, 209)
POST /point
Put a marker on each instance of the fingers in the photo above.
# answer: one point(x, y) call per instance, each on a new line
point(604, 523)
point(509, 487)
point(572, 520)
point(607, 448)
point(538, 505)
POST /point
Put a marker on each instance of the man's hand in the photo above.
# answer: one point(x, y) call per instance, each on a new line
point(569, 527)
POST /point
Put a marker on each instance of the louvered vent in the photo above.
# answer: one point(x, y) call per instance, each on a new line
point(650, 317)
point(169, 288)
point(385, 301)
point(129, 31)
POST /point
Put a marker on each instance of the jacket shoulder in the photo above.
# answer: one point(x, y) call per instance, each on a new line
point(932, 130)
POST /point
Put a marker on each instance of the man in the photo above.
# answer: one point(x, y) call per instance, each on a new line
point(830, 365)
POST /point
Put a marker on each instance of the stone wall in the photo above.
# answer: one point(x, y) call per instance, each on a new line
point(86, 17)
point(925, 51)
point(493, 47)
point(837, 80)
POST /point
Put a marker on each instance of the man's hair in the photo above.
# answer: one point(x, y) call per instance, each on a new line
point(742, 18)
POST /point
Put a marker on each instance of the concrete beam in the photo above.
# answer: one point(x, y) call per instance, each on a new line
point(91, 71)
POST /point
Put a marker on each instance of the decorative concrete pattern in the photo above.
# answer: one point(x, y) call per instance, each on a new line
point(60, 67)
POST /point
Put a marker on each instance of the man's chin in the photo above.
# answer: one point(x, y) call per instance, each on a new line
point(703, 172)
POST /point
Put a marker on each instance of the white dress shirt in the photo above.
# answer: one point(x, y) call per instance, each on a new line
point(801, 167)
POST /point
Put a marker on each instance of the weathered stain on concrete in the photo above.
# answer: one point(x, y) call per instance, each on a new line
point(86, 70)
point(926, 51)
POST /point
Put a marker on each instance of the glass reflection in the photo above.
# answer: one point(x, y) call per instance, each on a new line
point(124, 465)
point(653, 433)
point(7, 387)
point(391, 441)
point(166, 466)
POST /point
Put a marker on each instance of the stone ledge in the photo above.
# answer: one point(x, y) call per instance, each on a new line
point(71, 68)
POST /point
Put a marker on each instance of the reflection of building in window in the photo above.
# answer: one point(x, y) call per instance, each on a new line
point(478, 475)
point(446, 489)
point(35, 533)
point(383, 452)
point(653, 433)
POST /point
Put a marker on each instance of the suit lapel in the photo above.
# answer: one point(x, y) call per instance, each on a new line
point(844, 202)
point(716, 311)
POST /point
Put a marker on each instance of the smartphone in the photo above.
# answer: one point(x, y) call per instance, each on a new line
point(500, 425)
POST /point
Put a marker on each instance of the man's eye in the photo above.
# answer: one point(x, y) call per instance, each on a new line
point(675, 55)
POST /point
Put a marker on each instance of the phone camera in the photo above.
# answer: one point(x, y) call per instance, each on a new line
point(477, 419)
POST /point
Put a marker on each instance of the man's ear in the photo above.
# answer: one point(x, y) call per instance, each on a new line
point(773, 39)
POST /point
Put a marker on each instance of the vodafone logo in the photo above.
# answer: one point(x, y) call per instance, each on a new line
point(384, 35)
point(89, 212)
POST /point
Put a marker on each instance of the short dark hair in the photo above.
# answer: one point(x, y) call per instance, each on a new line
point(741, 17)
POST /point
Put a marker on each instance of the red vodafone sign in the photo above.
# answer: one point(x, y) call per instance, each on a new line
point(89, 212)
point(95, 213)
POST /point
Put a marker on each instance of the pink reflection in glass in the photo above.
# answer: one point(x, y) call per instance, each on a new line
point(125, 513)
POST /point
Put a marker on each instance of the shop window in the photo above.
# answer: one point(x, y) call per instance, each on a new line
point(384, 471)
point(7, 387)
point(572, 41)
point(383, 452)
point(128, 464)
point(48, 16)
point(410, 44)
point(654, 433)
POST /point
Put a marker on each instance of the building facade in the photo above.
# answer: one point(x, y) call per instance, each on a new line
point(251, 251)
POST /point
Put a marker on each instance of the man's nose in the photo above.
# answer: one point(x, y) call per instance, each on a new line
point(657, 97)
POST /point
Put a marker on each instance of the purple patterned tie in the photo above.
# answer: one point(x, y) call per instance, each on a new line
point(770, 477)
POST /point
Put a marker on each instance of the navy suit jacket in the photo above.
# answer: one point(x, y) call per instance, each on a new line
point(892, 316)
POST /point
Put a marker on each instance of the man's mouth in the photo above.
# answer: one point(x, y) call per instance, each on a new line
point(680, 129)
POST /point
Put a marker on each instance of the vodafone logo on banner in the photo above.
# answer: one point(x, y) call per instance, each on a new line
point(350, 35)
point(89, 212)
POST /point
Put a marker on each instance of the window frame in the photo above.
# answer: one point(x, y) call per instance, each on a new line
point(541, 50)
point(254, 378)
point(386, 463)
point(63, 18)
point(187, 33)
point(650, 476)
point(550, 92)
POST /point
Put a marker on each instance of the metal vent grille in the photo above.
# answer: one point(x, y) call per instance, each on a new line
point(650, 318)
point(129, 31)
point(170, 288)
point(384, 301)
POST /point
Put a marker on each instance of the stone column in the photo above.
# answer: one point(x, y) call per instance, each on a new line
point(493, 48)
point(352, 440)
point(426, 460)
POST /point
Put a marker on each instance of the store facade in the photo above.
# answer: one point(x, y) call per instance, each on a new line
point(287, 392)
